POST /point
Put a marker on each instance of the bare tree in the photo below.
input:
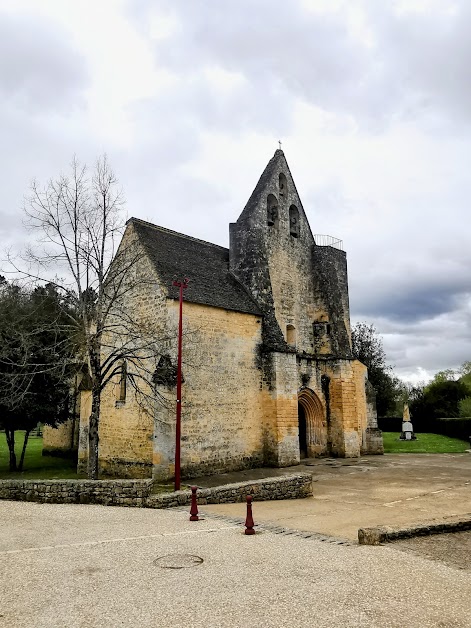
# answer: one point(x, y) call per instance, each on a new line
point(81, 222)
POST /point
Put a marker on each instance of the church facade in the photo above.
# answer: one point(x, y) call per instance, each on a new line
point(269, 375)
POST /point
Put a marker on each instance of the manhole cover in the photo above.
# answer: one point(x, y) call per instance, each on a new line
point(178, 561)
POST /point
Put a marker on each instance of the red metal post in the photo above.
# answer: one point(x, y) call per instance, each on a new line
point(182, 285)
point(194, 505)
point(249, 524)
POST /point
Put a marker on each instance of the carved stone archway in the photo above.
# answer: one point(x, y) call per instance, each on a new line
point(312, 424)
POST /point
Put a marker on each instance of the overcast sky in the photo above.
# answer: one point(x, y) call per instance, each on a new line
point(371, 100)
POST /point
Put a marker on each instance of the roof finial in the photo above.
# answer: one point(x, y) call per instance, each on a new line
point(279, 142)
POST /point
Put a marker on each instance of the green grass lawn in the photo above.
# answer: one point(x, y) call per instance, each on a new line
point(425, 444)
point(36, 466)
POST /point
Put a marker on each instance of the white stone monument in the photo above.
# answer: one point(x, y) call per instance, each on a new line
point(407, 428)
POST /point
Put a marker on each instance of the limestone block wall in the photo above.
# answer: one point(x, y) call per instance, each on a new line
point(62, 439)
point(346, 411)
point(222, 427)
point(126, 428)
point(138, 493)
point(339, 386)
point(273, 252)
point(296, 486)
point(329, 268)
point(373, 436)
point(106, 492)
point(285, 408)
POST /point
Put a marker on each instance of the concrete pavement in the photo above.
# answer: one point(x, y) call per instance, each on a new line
point(93, 566)
point(395, 489)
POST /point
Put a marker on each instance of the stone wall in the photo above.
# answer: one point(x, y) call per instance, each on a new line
point(126, 427)
point(107, 492)
point(59, 441)
point(302, 289)
point(244, 372)
point(138, 492)
point(285, 487)
point(221, 401)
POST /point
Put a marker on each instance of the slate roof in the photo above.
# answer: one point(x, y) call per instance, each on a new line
point(177, 256)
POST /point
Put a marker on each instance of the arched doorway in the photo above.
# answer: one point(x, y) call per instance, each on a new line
point(312, 425)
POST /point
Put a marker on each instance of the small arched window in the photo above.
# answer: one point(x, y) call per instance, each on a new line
point(282, 184)
point(291, 335)
point(123, 381)
point(294, 221)
point(272, 210)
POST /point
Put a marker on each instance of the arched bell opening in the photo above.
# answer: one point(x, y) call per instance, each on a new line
point(312, 425)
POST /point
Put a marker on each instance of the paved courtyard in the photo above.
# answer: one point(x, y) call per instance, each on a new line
point(395, 489)
point(88, 566)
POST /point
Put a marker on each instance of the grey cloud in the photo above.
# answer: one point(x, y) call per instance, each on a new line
point(430, 54)
point(39, 69)
point(416, 67)
point(434, 344)
point(422, 300)
point(281, 51)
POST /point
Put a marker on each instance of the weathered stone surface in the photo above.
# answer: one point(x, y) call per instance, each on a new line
point(269, 375)
point(107, 492)
point(385, 534)
point(285, 487)
point(138, 492)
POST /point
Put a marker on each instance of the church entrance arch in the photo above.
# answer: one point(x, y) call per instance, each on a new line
point(312, 425)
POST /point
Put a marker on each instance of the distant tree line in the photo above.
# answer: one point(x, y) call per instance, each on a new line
point(448, 395)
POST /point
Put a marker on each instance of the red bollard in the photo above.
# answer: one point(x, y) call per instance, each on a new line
point(249, 524)
point(194, 505)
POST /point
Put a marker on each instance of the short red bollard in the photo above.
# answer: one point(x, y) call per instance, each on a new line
point(194, 505)
point(249, 524)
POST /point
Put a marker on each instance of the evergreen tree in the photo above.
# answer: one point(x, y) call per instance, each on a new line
point(367, 347)
point(37, 353)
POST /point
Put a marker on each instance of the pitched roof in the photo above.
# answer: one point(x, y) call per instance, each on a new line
point(176, 256)
point(259, 189)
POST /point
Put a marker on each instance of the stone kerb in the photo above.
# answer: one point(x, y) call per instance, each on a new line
point(139, 492)
point(386, 534)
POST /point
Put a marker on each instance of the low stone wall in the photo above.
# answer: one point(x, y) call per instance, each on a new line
point(284, 487)
point(139, 492)
point(107, 492)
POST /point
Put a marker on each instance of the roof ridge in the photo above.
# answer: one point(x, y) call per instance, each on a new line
point(176, 233)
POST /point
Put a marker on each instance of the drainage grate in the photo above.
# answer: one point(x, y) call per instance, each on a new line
point(178, 561)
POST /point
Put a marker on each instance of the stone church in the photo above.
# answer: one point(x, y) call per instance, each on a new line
point(269, 376)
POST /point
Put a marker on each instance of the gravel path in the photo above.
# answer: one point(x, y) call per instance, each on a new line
point(72, 566)
point(453, 549)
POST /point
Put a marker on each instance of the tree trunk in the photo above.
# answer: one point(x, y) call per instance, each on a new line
point(93, 435)
point(10, 434)
point(23, 451)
